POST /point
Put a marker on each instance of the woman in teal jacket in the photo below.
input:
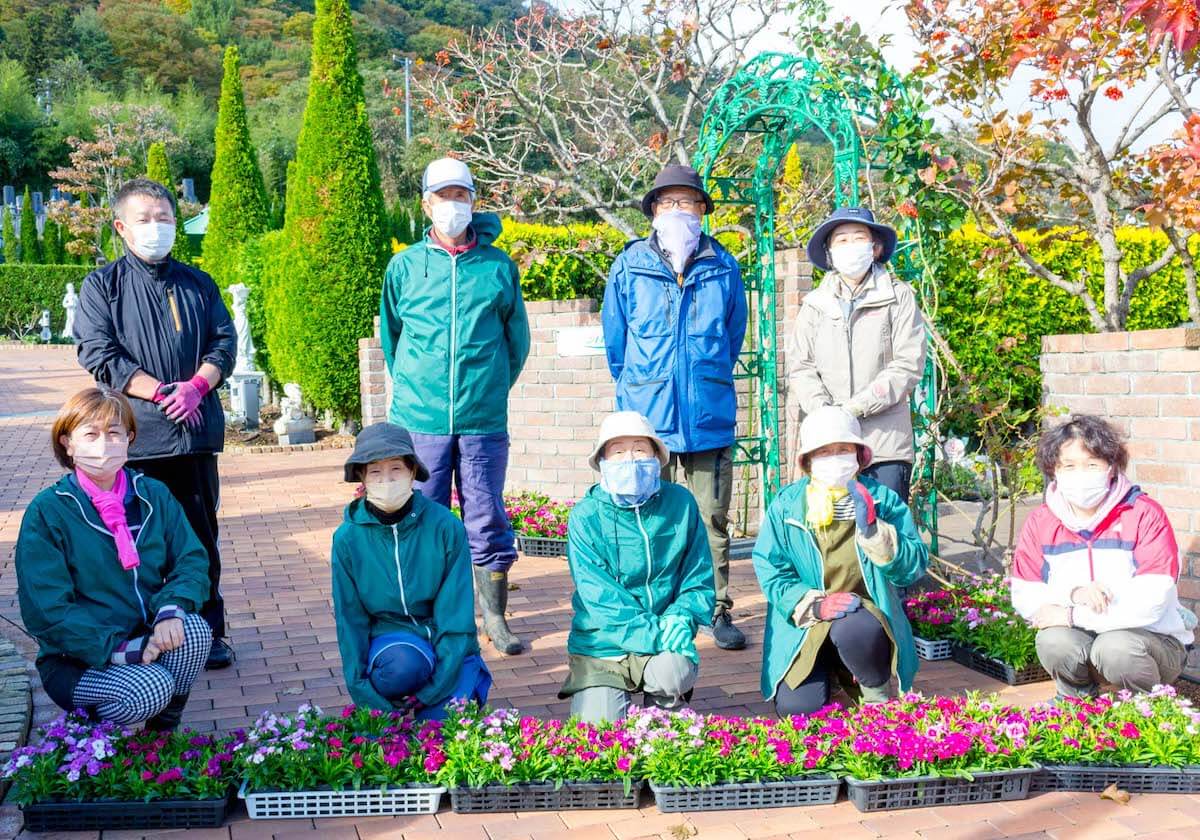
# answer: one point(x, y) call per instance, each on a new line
point(402, 586)
point(640, 561)
point(830, 555)
point(110, 575)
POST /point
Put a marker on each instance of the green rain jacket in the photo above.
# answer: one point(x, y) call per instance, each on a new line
point(632, 566)
point(455, 334)
point(413, 576)
point(789, 565)
point(75, 597)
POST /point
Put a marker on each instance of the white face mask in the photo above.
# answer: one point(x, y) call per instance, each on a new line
point(678, 234)
point(835, 470)
point(1084, 489)
point(450, 218)
point(390, 496)
point(852, 259)
point(152, 241)
point(100, 458)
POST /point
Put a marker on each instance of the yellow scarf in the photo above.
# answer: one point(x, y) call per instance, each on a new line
point(820, 500)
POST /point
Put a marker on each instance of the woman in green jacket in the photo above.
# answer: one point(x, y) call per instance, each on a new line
point(640, 561)
point(402, 586)
point(832, 551)
point(110, 575)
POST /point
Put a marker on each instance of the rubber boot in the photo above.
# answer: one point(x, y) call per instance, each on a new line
point(878, 694)
point(491, 591)
point(168, 719)
point(667, 701)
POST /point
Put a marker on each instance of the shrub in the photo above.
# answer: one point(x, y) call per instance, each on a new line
point(25, 290)
point(561, 262)
point(322, 301)
point(993, 315)
point(31, 251)
point(257, 259)
point(8, 231)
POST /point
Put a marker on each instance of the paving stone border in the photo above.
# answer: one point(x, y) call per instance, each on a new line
point(25, 345)
point(296, 447)
point(16, 703)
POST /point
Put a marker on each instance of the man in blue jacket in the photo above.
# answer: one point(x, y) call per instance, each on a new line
point(674, 318)
point(158, 331)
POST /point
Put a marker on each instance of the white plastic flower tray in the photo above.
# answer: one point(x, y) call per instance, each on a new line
point(307, 804)
point(932, 651)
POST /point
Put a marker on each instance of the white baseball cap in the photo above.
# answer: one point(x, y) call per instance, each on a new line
point(446, 172)
point(627, 424)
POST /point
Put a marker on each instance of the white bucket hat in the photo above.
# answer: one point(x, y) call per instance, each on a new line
point(832, 424)
point(627, 424)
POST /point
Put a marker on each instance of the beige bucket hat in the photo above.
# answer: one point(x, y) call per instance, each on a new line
point(832, 424)
point(627, 424)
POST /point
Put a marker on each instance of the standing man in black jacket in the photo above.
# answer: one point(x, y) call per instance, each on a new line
point(159, 331)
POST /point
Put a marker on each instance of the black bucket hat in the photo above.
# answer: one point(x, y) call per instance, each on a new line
point(676, 176)
point(381, 441)
point(818, 244)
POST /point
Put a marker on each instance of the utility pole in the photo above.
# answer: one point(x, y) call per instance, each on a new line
point(407, 62)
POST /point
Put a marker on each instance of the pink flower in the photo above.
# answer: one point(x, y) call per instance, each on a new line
point(624, 763)
point(172, 775)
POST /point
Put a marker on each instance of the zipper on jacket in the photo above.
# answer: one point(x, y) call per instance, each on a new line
point(400, 580)
point(453, 330)
point(141, 603)
point(174, 310)
point(649, 560)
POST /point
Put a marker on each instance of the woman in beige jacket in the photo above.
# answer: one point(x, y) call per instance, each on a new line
point(859, 340)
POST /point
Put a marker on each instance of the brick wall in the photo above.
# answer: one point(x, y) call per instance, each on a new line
point(1147, 384)
point(556, 406)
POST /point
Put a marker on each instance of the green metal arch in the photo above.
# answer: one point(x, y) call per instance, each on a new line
point(779, 97)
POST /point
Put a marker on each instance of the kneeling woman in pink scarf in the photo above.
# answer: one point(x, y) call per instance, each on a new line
point(110, 575)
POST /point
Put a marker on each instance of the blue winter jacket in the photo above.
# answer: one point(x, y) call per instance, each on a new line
point(672, 341)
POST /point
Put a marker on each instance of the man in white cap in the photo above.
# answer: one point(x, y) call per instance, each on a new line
point(643, 575)
point(455, 336)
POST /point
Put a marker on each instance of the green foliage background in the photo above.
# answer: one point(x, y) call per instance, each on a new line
point(25, 290)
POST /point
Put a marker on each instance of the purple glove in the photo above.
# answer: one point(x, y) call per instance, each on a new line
point(182, 399)
point(864, 508)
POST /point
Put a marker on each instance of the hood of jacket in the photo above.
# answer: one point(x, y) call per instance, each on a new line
point(1121, 492)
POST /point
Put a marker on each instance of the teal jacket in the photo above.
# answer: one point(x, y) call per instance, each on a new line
point(632, 566)
point(413, 576)
point(455, 334)
point(789, 564)
point(75, 597)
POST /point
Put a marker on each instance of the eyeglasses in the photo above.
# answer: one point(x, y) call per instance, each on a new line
point(681, 203)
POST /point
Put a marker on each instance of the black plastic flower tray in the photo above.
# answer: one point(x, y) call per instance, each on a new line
point(1091, 778)
point(994, 668)
point(543, 796)
point(731, 796)
point(541, 546)
point(929, 791)
point(105, 816)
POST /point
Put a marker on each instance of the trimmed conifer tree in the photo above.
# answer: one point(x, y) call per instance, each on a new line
point(31, 251)
point(158, 168)
point(237, 208)
point(323, 296)
point(8, 230)
point(52, 244)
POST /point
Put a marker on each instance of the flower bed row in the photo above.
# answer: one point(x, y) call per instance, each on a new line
point(973, 622)
point(910, 752)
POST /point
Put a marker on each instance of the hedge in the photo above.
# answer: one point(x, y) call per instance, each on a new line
point(993, 315)
point(25, 290)
point(561, 262)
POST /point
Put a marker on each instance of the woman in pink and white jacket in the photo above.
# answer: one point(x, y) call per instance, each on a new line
point(1096, 567)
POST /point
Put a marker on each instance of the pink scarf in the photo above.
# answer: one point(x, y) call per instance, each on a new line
point(110, 504)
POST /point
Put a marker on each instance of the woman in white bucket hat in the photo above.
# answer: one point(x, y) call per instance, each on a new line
point(833, 550)
point(643, 577)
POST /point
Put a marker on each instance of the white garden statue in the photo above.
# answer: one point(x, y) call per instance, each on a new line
point(241, 322)
point(69, 302)
point(293, 426)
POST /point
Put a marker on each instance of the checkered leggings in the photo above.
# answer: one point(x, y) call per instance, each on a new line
point(128, 694)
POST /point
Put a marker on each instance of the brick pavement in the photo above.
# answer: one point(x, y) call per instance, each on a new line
point(278, 514)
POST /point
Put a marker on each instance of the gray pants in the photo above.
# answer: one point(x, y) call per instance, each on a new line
point(1134, 659)
point(709, 476)
point(667, 678)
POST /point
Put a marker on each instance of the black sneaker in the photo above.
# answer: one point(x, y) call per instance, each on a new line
point(725, 634)
point(220, 655)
